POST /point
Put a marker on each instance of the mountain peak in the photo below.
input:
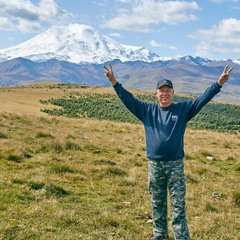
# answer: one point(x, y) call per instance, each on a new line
point(77, 43)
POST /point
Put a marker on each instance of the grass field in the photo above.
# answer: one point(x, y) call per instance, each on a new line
point(65, 178)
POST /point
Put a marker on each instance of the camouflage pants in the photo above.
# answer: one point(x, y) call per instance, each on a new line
point(164, 176)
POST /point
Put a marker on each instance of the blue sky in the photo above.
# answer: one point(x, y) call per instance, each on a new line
point(207, 28)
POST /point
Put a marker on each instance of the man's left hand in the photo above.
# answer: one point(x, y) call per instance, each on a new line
point(224, 76)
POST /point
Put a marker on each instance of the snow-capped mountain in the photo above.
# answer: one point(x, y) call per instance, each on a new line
point(76, 53)
point(76, 43)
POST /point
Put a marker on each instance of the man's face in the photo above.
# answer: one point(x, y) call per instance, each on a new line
point(164, 95)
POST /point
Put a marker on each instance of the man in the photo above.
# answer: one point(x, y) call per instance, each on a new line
point(165, 125)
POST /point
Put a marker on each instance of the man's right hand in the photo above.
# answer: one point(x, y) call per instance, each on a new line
point(109, 74)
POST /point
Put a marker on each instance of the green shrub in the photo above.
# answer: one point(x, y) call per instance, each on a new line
point(237, 168)
point(72, 146)
point(18, 181)
point(3, 135)
point(115, 171)
point(57, 147)
point(209, 207)
point(236, 198)
point(43, 135)
point(53, 190)
point(14, 158)
point(36, 185)
point(63, 168)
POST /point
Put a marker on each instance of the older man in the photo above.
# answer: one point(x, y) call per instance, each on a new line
point(165, 125)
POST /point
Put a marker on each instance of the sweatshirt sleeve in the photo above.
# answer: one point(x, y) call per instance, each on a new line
point(197, 104)
point(135, 106)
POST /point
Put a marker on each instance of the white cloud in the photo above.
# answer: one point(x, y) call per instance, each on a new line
point(221, 38)
point(28, 26)
point(25, 16)
point(115, 35)
point(21, 9)
point(221, 1)
point(153, 43)
point(50, 12)
point(5, 24)
point(139, 15)
point(124, 1)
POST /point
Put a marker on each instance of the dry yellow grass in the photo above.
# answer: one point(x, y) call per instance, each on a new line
point(25, 99)
point(105, 200)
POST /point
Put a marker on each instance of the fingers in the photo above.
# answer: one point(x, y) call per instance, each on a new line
point(230, 70)
point(108, 69)
point(105, 67)
point(110, 66)
point(226, 70)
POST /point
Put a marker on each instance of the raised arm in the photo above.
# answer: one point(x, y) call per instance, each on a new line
point(109, 74)
point(224, 76)
point(135, 106)
point(210, 92)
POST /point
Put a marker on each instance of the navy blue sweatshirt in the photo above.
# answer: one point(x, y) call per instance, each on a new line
point(165, 126)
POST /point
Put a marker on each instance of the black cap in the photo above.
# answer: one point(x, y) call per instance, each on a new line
point(164, 82)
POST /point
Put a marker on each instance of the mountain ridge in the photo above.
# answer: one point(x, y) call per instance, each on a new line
point(188, 78)
point(75, 53)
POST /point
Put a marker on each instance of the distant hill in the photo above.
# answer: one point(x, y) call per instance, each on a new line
point(190, 75)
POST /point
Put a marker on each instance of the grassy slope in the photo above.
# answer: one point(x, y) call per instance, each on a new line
point(84, 179)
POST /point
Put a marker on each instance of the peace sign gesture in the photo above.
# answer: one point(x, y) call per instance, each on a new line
point(109, 74)
point(224, 76)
